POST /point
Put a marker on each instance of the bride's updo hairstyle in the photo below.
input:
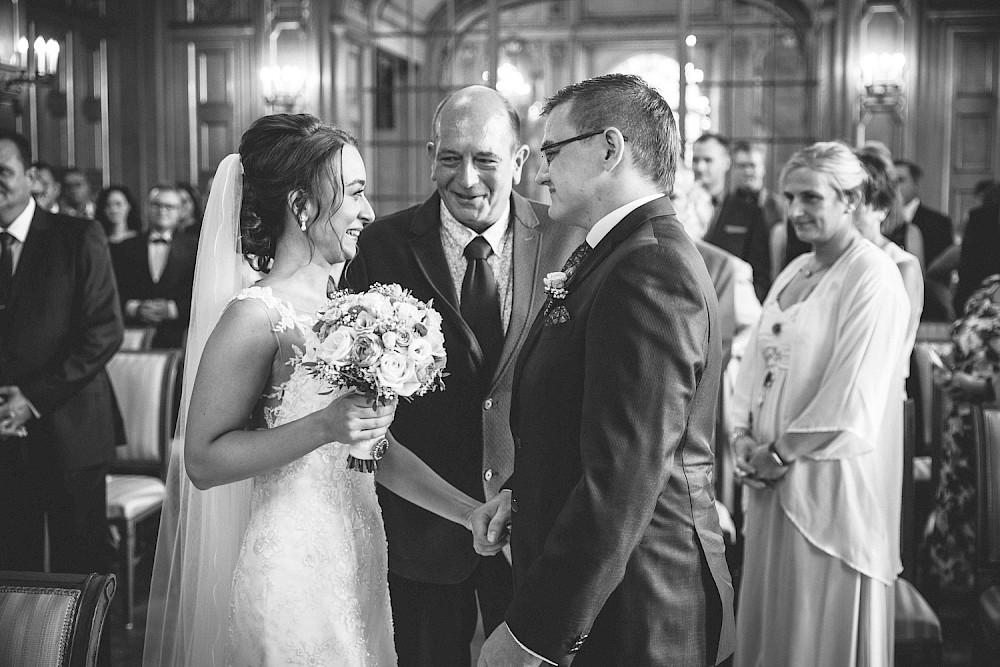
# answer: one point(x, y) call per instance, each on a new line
point(284, 154)
point(837, 162)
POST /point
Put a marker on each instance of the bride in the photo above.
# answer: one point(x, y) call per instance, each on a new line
point(308, 585)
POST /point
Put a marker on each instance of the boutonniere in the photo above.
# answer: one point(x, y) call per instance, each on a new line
point(555, 284)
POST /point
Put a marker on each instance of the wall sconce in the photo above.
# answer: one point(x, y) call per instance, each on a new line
point(283, 87)
point(882, 76)
point(29, 66)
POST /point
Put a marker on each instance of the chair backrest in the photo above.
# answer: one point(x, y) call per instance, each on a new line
point(987, 438)
point(145, 384)
point(52, 620)
point(907, 523)
point(138, 338)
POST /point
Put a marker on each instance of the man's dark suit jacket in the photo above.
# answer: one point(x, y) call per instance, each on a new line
point(131, 260)
point(739, 228)
point(936, 229)
point(980, 252)
point(62, 327)
point(463, 432)
point(617, 552)
point(723, 274)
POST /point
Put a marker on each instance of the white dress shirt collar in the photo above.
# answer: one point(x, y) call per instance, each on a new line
point(608, 222)
point(19, 228)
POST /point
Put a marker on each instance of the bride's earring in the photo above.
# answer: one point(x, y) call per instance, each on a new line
point(303, 217)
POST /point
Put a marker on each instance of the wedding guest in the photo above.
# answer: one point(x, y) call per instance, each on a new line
point(59, 423)
point(118, 213)
point(880, 195)
point(75, 199)
point(190, 213)
point(737, 226)
point(480, 251)
point(819, 435)
point(309, 581)
point(155, 271)
point(45, 187)
point(972, 377)
point(980, 253)
point(617, 551)
point(748, 176)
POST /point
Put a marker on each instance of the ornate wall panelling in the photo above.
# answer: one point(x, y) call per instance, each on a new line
point(211, 92)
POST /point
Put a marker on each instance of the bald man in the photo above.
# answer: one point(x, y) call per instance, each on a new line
point(480, 251)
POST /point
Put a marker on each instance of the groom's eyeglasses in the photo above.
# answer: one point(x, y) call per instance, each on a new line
point(550, 151)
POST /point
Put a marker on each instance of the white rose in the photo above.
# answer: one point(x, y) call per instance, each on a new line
point(420, 351)
point(336, 347)
point(396, 372)
point(407, 312)
point(389, 339)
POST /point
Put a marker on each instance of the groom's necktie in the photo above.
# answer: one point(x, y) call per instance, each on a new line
point(481, 302)
point(569, 268)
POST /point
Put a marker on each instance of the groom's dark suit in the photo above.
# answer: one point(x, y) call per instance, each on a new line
point(463, 432)
point(617, 552)
point(62, 326)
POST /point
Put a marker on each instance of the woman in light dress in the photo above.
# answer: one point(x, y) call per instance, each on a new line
point(309, 584)
point(813, 405)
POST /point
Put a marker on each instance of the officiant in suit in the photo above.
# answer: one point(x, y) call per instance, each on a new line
point(480, 252)
point(155, 271)
point(59, 325)
point(618, 555)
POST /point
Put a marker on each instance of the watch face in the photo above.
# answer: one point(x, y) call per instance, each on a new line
point(378, 451)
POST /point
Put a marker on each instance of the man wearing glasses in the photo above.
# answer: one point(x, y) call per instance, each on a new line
point(618, 556)
point(155, 271)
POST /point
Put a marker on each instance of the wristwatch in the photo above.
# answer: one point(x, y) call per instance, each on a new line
point(776, 457)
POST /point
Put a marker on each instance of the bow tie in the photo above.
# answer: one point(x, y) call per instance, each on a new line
point(159, 238)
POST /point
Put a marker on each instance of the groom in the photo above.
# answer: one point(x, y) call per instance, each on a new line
point(617, 552)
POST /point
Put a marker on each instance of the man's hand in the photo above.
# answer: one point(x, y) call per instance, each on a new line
point(500, 650)
point(153, 311)
point(15, 412)
point(490, 524)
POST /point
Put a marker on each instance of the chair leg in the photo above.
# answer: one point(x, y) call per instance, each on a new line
point(129, 568)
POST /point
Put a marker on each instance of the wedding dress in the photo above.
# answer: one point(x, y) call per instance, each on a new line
point(310, 586)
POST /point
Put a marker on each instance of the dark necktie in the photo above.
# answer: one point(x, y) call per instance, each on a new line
point(481, 303)
point(6, 268)
point(569, 268)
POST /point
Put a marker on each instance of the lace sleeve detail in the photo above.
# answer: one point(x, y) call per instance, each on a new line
point(286, 314)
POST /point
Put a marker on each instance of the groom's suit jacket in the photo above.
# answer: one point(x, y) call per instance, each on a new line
point(463, 432)
point(617, 552)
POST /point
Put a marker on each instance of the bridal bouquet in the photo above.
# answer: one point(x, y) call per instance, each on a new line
point(384, 342)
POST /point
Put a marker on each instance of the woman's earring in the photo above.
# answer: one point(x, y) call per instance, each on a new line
point(302, 221)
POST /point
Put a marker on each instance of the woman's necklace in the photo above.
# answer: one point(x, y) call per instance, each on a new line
point(809, 273)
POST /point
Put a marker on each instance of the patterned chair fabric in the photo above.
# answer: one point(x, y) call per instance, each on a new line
point(144, 384)
point(52, 620)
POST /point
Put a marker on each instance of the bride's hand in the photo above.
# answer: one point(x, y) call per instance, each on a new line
point(351, 420)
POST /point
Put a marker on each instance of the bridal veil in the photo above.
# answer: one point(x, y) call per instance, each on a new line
point(200, 531)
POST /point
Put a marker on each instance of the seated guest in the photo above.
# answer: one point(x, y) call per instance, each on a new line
point(818, 435)
point(45, 187)
point(973, 376)
point(980, 254)
point(75, 200)
point(737, 227)
point(118, 213)
point(155, 271)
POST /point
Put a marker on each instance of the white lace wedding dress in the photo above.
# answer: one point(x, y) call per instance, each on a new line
point(310, 587)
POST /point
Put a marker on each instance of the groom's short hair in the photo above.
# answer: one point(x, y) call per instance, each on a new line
point(627, 102)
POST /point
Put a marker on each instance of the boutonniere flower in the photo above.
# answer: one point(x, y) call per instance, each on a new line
point(555, 284)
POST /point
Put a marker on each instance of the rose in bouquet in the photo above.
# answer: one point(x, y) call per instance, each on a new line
point(384, 343)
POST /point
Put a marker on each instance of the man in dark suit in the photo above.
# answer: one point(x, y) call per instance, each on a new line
point(156, 271)
point(486, 300)
point(934, 226)
point(617, 551)
point(980, 256)
point(59, 423)
point(738, 226)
